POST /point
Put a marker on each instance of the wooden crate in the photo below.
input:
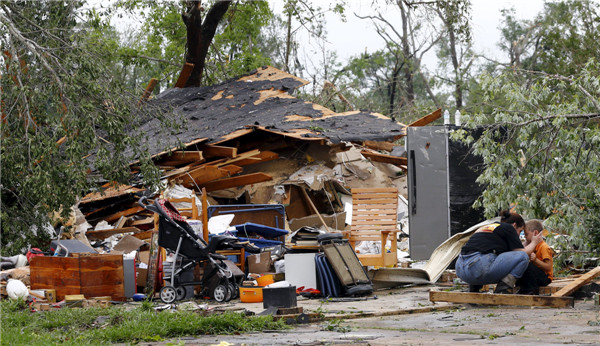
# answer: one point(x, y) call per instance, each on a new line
point(92, 276)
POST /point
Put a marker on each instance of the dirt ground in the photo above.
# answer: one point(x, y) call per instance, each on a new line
point(449, 324)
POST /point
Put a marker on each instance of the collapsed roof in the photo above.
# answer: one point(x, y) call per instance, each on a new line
point(259, 100)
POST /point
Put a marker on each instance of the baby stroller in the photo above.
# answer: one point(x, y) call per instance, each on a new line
point(219, 281)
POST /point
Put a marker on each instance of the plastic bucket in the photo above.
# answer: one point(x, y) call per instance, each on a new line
point(265, 280)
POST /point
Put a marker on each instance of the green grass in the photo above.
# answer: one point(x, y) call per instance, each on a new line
point(96, 326)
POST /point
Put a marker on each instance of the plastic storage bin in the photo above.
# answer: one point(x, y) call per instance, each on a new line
point(251, 294)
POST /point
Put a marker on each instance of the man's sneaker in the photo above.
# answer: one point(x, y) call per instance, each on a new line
point(475, 288)
point(502, 288)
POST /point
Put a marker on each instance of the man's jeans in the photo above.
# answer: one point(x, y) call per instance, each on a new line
point(478, 269)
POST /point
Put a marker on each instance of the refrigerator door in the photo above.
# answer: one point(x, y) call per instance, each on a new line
point(428, 190)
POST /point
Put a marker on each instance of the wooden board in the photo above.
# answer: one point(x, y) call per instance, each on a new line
point(263, 156)
point(184, 75)
point(98, 275)
point(387, 146)
point(105, 233)
point(128, 212)
point(218, 151)
point(237, 181)
point(501, 299)
point(394, 160)
point(429, 118)
point(180, 157)
point(580, 281)
point(201, 175)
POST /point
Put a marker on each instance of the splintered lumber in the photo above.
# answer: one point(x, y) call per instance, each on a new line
point(243, 156)
point(143, 222)
point(394, 160)
point(105, 233)
point(180, 157)
point(263, 156)
point(232, 169)
point(182, 170)
point(500, 299)
point(186, 71)
point(110, 190)
point(149, 89)
point(210, 151)
point(580, 281)
point(429, 118)
point(237, 181)
point(387, 146)
point(312, 205)
point(128, 212)
point(201, 175)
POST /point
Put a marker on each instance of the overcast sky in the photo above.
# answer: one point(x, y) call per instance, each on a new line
point(355, 35)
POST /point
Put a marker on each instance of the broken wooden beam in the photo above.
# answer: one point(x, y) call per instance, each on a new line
point(184, 75)
point(429, 118)
point(237, 181)
point(143, 222)
point(394, 160)
point(128, 212)
point(232, 169)
point(200, 175)
point(149, 90)
point(180, 157)
point(501, 299)
point(387, 146)
point(580, 281)
point(105, 233)
point(314, 208)
point(243, 156)
point(263, 156)
point(210, 151)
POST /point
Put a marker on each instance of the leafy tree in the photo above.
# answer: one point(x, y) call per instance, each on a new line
point(403, 87)
point(64, 111)
point(455, 46)
point(559, 40)
point(541, 109)
point(540, 150)
point(222, 39)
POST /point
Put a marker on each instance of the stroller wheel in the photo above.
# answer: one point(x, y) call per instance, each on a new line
point(234, 291)
point(180, 291)
point(168, 294)
point(222, 293)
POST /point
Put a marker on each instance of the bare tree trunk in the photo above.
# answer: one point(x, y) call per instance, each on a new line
point(200, 35)
point(288, 42)
point(406, 51)
point(458, 92)
point(393, 86)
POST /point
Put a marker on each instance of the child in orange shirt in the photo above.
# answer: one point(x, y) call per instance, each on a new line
point(540, 269)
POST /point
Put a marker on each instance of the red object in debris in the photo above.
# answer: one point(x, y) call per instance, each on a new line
point(34, 252)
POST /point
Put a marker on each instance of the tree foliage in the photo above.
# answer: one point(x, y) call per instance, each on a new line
point(163, 45)
point(541, 153)
point(62, 101)
point(542, 109)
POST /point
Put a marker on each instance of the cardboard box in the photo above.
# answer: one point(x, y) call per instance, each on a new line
point(142, 273)
point(141, 276)
point(144, 256)
point(260, 263)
